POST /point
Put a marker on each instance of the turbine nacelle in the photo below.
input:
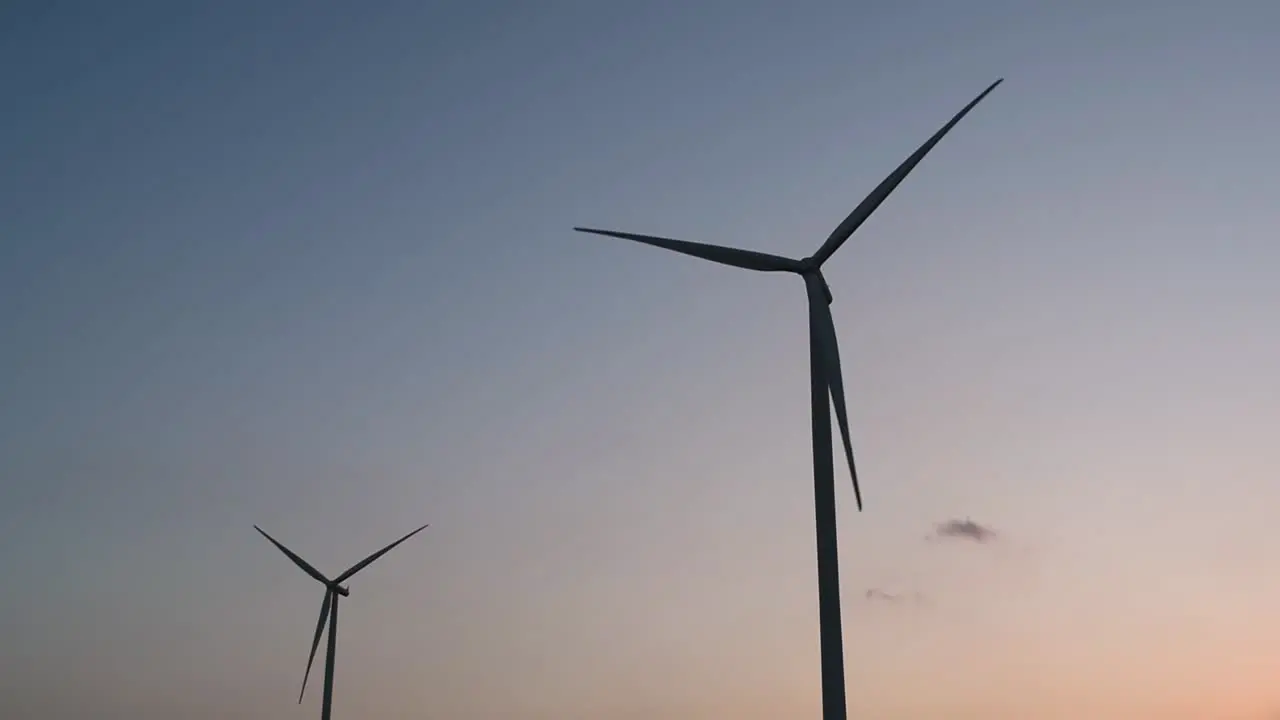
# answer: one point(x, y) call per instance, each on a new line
point(344, 592)
point(822, 282)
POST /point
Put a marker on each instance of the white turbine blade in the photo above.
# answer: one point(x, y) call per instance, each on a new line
point(886, 186)
point(365, 562)
point(294, 557)
point(830, 349)
point(315, 643)
point(748, 259)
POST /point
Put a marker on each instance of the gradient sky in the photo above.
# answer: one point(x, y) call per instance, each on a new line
point(309, 265)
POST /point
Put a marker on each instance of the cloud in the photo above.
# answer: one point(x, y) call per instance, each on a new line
point(964, 530)
point(878, 595)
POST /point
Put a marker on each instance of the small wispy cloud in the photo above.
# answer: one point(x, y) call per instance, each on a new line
point(879, 595)
point(964, 530)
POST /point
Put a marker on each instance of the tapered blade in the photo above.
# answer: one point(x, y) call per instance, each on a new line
point(748, 259)
point(365, 562)
point(886, 186)
point(294, 557)
point(315, 643)
point(830, 349)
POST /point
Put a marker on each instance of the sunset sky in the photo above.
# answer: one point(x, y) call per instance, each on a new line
point(311, 266)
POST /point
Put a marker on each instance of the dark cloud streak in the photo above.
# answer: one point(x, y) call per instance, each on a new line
point(965, 530)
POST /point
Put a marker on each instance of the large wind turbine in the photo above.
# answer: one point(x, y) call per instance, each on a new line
point(329, 610)
point(825, 379)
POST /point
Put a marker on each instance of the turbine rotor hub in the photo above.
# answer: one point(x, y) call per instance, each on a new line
point(809, 265)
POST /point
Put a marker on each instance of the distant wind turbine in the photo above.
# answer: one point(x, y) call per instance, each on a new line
point(825, 378)
point(329, 610)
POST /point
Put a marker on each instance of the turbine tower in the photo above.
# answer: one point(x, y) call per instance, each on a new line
point(329, 611)
point(825, 380)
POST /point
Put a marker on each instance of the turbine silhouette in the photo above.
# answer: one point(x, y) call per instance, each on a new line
point(329, 611)
point(825, 380)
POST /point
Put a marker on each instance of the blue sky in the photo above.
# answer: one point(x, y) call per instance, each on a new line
point(311, 266)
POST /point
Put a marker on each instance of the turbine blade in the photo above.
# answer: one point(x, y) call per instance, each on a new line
point(294, 557)
point(748, 259)
point(365, 562)
point(315, 643)
point(886, 186)
point(830, 350)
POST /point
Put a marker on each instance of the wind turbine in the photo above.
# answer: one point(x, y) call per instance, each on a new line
point(329, 610)
point(825, 379)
